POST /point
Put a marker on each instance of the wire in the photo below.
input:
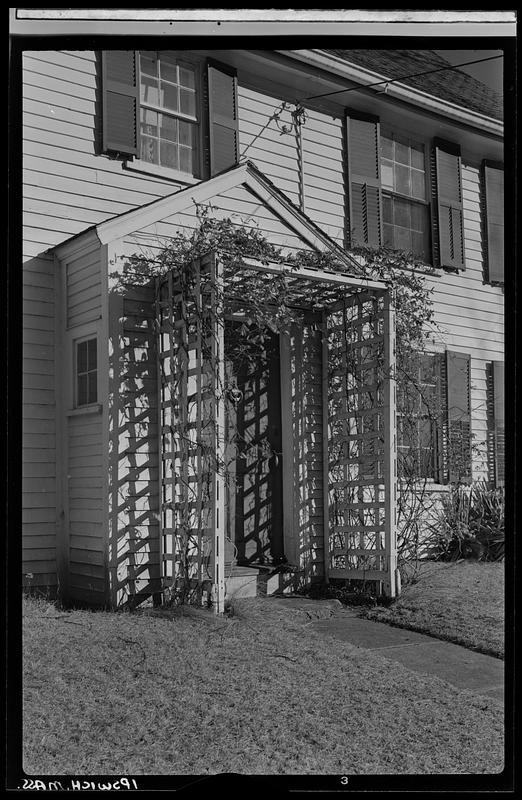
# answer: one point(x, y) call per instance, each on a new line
point(452, 67)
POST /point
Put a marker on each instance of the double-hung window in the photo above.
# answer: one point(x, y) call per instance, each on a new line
point(169, 123)
point(434, 417)
point(175, 113)
point(404, 208)
point(418, 416)
point(390, 200)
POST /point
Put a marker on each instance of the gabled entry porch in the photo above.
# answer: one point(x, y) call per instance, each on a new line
point(277, 445)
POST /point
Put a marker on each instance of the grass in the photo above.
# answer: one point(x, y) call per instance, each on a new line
point(257, 693)
point(461, 602)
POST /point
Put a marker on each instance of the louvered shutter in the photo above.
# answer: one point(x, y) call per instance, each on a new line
point(120, 82)
point(493, 208)
point(448, 225)
point(364, 179)
point(458, 440)
point(499, 410)
point(222, 117)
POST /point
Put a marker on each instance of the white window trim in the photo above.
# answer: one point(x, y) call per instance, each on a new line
point(146, 168)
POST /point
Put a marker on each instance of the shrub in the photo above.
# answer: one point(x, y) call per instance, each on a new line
point(470, 524)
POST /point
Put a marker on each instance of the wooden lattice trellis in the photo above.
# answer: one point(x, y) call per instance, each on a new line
point(361, 421)
point(191, 424)
point(358, 422)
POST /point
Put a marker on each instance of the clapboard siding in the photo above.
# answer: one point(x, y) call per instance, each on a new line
point(323, 172)
point(38, 422)
point(76, 186)
point(87, 573)
point(261, 140)
point(470, 312)
point(83, 289)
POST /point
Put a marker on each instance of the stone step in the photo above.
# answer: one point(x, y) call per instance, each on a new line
point(241, 581)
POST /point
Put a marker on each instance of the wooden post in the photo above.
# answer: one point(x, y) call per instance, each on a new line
point(390, 445)
point(218, 365)
point(287, 446)
point(326, 456)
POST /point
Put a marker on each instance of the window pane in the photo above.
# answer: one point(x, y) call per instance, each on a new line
point(419, 245)
point(187, 77)
point(401, 212)
point(402, 239)
point(402, 153)
point(386, 147)
point(418, 188)
point(388, 235)
point(187, 102)
point(81, 357)
point(148, 63)
point(419, 215)
point(417, 156)
point(169, 96)
point(168, 69)
point(169, 128)
point(387, 174)
point(427, 365)
point(149, 122)
point(185, 159)
point(92, 387)
point(149, 149)
point(82, 390)
point(149, 90)
point(402, 179)
point(169, 155)
point(92, 354)
point(185, 133)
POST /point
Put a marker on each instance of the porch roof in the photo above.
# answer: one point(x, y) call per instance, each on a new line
point(245, 173)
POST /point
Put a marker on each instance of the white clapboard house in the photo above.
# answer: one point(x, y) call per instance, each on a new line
point(121, 149)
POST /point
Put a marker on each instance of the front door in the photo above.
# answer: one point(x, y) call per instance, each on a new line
point(253, 452)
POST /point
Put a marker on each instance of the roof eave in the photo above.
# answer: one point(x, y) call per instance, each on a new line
point(341, 68)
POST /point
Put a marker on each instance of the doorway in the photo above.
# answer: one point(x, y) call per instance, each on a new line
point(253, 449)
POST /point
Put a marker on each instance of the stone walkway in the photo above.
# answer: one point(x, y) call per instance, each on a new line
point(457, 665)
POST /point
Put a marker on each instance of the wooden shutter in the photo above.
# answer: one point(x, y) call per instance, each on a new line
point(493, 209)
point(458, 440)
point(447, 217)
point(120, 86)
point(364, 179)
point(222, 117)
point(499, 411)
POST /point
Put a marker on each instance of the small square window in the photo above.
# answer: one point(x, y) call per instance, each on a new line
point(86, 372)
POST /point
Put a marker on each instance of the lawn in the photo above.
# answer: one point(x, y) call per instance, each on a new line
point(461, 602)
point(256, 693)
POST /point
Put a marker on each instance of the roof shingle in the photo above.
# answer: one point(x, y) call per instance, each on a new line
point(454, 86)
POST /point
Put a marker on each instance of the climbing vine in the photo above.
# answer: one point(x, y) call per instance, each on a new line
point(262, 308)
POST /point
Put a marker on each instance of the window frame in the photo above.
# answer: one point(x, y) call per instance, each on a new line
point(419, 418)
point(75, 344)
point(390, 132)
point(137, 163)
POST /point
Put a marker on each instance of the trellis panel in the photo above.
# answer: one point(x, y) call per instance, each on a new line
point(191, 422)
point(361, 425)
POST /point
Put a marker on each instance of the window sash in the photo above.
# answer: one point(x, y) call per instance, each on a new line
point(86, 372)
point(418, 234)
point(417, 435)
point(182, 156)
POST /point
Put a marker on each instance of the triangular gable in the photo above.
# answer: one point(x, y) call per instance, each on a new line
point(244, 177)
